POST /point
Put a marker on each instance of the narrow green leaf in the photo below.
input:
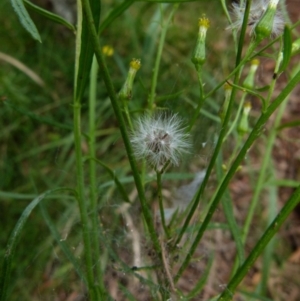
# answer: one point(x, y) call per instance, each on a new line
point(287, 48)
point(85, 49)
point(13, 239)
point(62, 243)
point(200, 284)
point(25, 19)
point(53, 17)
point(39, 118)
point(116, 12)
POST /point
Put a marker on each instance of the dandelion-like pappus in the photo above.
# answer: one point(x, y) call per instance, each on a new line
point(160, 139)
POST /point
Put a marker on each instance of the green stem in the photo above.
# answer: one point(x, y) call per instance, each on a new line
point(227, 205)
point(158, 58)
point(261, 244)
point(237, 116)
point(201, 98)
point(126, 111)
point(160, 201)
point(81, 198)
point(122, 126)
point(92, 171)
point(274, 79)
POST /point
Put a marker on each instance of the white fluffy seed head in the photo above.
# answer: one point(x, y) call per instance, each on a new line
point(257, 10)
point(160, 139)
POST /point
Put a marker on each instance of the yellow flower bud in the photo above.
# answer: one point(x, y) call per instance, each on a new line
point(107, 50)
point(126, 91)
point(199, 53)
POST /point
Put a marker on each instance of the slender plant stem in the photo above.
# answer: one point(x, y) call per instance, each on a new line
point(81, 198)
point(270, 248)
point(252, 137)
point(126, 111)
point(274, 79)
point(227, 205)
point(160, 201)
point(261, 244)
point(122, 126)
point(158, 58)
point(238, 113)
point(92, 171)
point(201, 99)
point(114, 177)
point(200, 191)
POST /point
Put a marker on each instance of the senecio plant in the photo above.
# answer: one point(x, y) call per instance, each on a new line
point(156, 139)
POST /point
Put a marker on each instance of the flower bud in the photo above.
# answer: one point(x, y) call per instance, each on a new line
point(249, 80)
point(223, 109)
point(266, 27)
point(296, 46)
point(243, 127)
point(126, 91)
point(199, 53)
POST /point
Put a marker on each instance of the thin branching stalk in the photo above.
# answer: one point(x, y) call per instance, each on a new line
point(223, 132)
point(118, 112)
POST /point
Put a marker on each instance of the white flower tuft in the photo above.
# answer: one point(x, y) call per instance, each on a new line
point(257, 10)
point(160, 139)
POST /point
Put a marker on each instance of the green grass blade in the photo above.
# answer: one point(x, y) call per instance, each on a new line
point(289, 206)
point(13, 239)
point(227, 204)
point(53, 17)
point(62, 244)
point(25, 19)
point(199, 286)
point(38, 118)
